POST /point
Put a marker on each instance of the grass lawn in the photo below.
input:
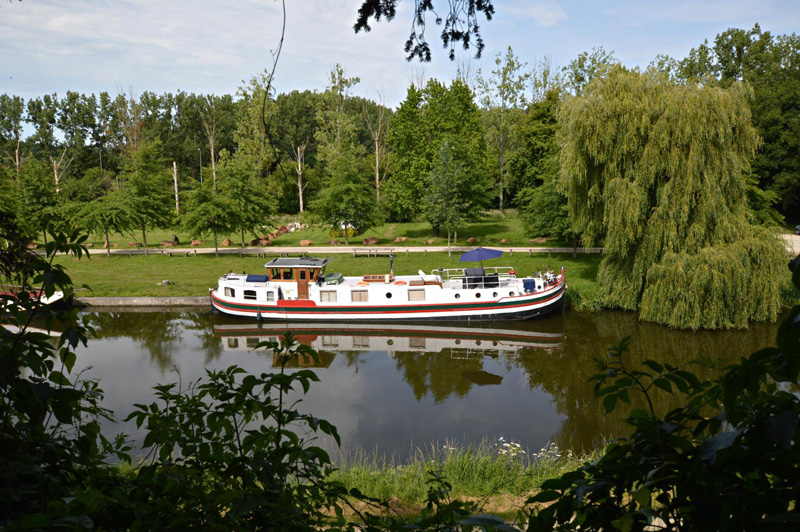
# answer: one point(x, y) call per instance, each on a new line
point(193, 276)
point(495, 227)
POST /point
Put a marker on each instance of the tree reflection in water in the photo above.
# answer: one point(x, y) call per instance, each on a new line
point(493, 368)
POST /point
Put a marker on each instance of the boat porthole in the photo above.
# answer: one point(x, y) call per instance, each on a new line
point(458, 296)
point(511, 294)
point(458, 342)
point(388, 295)
point(477, 295)
point(494, 294)
point(494, 343)
point(477, 342)
point(390, 342)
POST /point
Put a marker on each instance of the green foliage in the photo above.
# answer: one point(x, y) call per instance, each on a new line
point(771, 66)
point(725, 459)
point(659, 170)
point(50, 439)
point(503, 97)
point(209, 212)
point(347, 200)
point(423, 122)
point(448, 202)
point(544, 211)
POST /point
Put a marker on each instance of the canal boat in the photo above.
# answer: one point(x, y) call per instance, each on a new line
point(299, 289)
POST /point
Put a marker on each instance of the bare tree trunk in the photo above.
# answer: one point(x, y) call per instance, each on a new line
point(242, 237)
point(144, 239)
point(108, 244)
point(377, 173)
point(175, 180)
point(44, 232)
point(346, 234)
point(17, 164)
point(299, 153)
point(501, 181)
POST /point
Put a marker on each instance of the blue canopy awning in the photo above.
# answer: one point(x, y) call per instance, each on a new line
point(480, 254)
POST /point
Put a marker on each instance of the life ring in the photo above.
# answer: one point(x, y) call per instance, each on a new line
point(399, 282)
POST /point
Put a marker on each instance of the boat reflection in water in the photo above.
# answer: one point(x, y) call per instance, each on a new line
point(455, 342)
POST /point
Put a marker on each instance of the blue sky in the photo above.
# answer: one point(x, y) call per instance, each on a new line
point(211, 46)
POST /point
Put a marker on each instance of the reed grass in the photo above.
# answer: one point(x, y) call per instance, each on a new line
point(490, 468)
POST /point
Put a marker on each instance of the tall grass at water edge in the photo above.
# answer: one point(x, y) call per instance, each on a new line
point(487, 468)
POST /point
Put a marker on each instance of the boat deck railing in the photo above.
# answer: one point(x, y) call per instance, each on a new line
point(467, 278)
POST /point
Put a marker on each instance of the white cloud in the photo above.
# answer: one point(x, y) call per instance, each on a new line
point(545, 14)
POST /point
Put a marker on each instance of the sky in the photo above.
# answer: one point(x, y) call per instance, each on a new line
point(214, 46)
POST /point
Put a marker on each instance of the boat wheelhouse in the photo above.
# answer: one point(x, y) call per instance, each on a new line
point(300, 289)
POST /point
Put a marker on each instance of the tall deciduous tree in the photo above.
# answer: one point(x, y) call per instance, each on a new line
point(771, 66)
point(209, 211)
point(502, 95)
point(659, 169)
point(298, 123)
point(447, 200)
point(12, 112)
point(378, 118)
point(147, 186)
point(346, 201)
point(424, 120)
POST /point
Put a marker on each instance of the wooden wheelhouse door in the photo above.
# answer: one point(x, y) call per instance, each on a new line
point(302, 283)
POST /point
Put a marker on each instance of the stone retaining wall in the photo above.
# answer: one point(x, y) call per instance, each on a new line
point(144, 301)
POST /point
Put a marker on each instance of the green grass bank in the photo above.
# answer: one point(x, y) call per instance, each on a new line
point(495, 228)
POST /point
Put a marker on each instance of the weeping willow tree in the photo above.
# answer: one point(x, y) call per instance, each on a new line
point(659, 170)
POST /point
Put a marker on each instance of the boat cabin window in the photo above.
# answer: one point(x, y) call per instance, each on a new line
point(252, 341)
point(270, 295)
point(361, 341)
point(230, 292)
point(359, 296)
point(330, 341)
point(303, 274)
point(233, 343)
point(250, 294)
point(327, 296)
point(416, 295)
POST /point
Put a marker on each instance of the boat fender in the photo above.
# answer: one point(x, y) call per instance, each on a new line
point(399, 282)
point(258, 315)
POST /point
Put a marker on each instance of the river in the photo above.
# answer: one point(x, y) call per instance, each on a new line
point(397, 388)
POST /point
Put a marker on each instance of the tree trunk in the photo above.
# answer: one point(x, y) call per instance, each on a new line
point(501, 181)
point(377, 172)
point(175, 180)
point(216, 247)
point(299, 153)
point(242, 237)
point(455, 235)
point(144, 240)
point(347, 234)
point(44, 232)
point(108, 244)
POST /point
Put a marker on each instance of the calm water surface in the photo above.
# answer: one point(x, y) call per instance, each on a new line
point(393, 388)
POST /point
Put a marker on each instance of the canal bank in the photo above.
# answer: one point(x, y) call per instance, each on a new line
point(152, 302)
